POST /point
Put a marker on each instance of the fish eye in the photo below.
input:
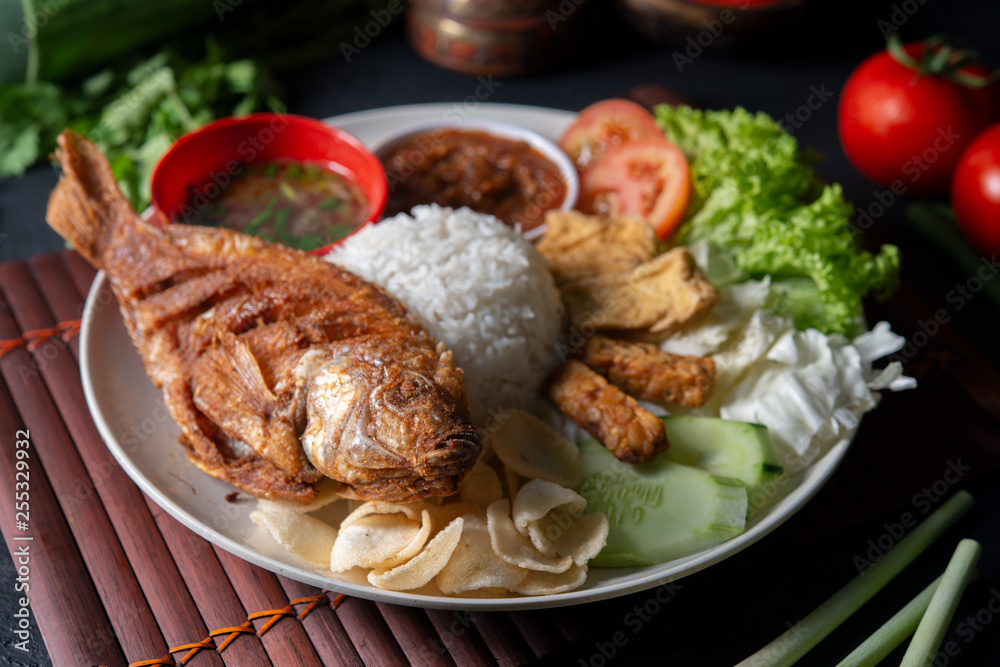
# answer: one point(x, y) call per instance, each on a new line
point(411, 387)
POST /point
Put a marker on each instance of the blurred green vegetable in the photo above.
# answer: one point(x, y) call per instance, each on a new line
point(133, 115)
point(54, 40)
point(756, 198)
point(63, 40)
point(133, 112)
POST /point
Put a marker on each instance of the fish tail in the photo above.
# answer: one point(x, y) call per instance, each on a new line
point(87, 208)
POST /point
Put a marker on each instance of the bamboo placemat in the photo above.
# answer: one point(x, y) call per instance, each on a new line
point(117, 581)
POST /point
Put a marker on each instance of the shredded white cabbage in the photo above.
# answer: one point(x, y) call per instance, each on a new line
point(808, 388)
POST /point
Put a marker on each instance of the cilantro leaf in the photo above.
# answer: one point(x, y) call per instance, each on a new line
point(133, 114)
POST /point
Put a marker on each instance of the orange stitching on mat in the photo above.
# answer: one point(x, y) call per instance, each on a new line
point(205, 643)
point(275, 614)
point(313, 601)
point(165, 661)
point(32, 339)
point(36, 337)
point(247, 628)
point(69, 329)
point(11, 345)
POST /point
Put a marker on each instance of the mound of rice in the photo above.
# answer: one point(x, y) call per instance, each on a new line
point(478, 286)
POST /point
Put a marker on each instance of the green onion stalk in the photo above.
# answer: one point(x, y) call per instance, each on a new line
point(798, 640)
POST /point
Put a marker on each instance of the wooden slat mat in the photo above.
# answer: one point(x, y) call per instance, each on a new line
point(117, 581)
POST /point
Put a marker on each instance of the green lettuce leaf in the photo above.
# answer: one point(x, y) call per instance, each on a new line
point(758, 199)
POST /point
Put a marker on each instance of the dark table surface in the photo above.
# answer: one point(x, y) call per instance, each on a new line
point(614, 61)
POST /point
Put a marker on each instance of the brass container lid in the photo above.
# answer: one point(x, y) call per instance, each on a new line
point(506, 37)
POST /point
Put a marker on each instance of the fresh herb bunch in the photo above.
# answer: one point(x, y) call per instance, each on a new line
point(134, 114)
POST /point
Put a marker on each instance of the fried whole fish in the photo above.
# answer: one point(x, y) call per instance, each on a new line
point(278, 367)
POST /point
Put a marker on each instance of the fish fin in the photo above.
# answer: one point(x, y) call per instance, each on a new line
point(86, 206)
point(236, 396)
point(235, 367)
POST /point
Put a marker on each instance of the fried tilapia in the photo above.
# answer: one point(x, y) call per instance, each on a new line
point(278, 367)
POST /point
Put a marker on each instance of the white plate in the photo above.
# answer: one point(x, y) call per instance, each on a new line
point(133, 421)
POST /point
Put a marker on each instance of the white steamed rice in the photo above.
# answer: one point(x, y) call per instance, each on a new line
point(478, 286)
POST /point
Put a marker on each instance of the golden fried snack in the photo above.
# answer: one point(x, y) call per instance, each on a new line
point(649, 302)
point(631, 433)
point(647, 372)
point(584, 247)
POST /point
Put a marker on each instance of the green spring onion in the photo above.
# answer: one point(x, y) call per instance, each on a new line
point(786, 649)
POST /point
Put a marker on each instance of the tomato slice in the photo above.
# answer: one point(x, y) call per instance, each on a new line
point(604, 125)
point(644, 179)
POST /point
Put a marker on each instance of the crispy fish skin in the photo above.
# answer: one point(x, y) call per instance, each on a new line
point(278, 367)
point(630, 432)
point(647, 372)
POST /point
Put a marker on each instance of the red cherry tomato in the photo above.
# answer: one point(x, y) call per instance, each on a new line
point(975, 191)
point(644, 179)
point(604, 125)
point(911, 122)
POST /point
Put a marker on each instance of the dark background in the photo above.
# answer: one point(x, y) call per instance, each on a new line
point(735, 607)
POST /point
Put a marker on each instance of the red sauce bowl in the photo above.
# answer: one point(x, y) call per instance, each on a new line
point(204, 161)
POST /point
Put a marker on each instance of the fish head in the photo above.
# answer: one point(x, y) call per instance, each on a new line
point(388, 431)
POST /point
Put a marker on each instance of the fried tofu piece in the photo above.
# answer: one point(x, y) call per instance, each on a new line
point(580, 247)
point(648, 373)
point(649, 302)
point(630, 432)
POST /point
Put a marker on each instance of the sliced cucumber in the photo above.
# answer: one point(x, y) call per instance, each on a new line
point(658, 511)
point(727, 448)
